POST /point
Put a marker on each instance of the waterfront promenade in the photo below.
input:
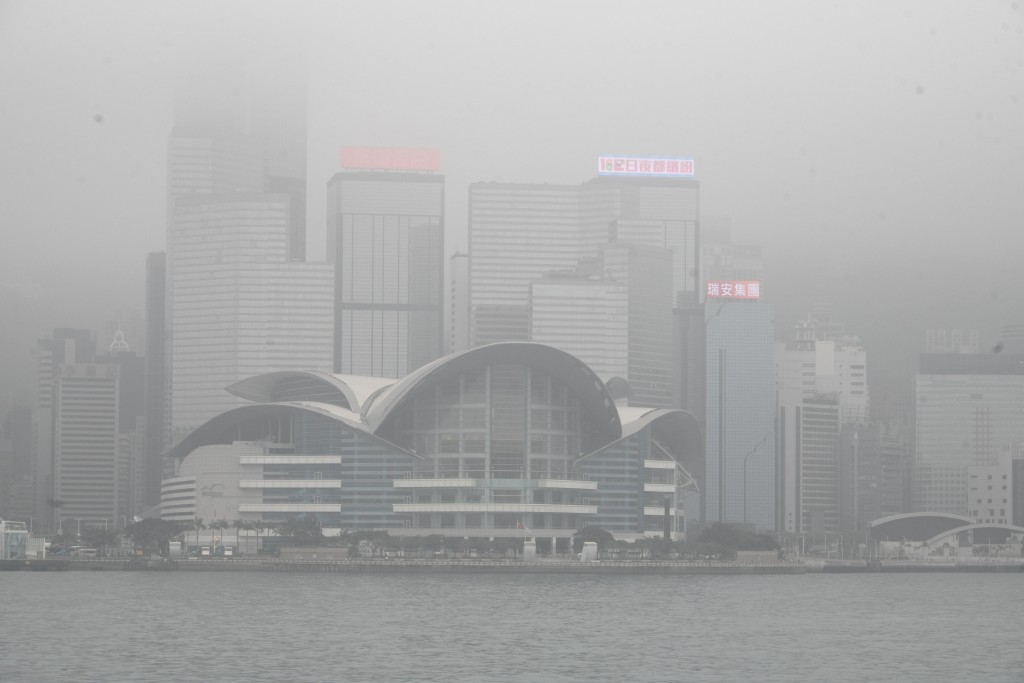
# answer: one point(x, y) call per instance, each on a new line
point(410, 566)
point(510, 566)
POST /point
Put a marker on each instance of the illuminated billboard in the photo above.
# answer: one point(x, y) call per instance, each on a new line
point(661, 167)
point(733, 289)
point(390, 159)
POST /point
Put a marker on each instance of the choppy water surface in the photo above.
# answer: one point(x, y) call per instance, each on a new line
point(136, 626)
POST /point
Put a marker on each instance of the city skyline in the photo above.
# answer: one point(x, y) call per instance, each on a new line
point(929, 89)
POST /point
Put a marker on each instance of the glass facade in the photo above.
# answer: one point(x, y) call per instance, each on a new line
point(482, 447)
point(487, 436)
point(386, 237)
point(516, 234)
point(740, 414)
point(969, 408)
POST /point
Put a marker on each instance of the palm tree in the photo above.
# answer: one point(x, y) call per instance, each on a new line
point(197, 524)
point(239, 525)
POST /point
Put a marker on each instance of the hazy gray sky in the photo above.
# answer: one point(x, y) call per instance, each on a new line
point(876, 149)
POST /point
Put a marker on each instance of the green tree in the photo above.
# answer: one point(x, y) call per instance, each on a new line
point(602, 537)
point(152, 534)
point(735, 538)
point(198, 525)
point(239, 525)
point(302, 530)
point(98, 537)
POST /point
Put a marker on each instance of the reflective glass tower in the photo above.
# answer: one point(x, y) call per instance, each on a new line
point(386, 239)
point(740, 439)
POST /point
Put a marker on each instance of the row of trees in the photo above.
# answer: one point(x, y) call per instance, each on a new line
point(152, 535)
point(718, 541)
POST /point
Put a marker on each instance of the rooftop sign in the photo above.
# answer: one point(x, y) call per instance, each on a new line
point(390, 159)
point(733, 289)
point(645, 166)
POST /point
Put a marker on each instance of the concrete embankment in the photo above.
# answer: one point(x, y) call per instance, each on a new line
point(919, 566)
point(398, 566)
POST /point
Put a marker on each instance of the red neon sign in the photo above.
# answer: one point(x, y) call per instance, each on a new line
point(391, 158)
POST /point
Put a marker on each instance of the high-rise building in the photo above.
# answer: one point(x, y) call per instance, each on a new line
point(86, 445)
point(157, 400)
point(238, 306)
point(131, 421)
point(65, 347)
point(17, 477)
point(651, 210)
point(522, 233)
point(615, 314)
point(740, 477)
point(817, 464)
point(990, 490)
point(818, 363)
point(385, 222)
point(585, 316)
point(721, 259)
point(236, 232)
point(968, 408)
point(821, 359)
point(873, 462)
point(517, 233)
point(458, 303)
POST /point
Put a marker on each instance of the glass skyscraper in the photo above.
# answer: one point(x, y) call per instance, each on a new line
point(740, 463)
point(386, 239)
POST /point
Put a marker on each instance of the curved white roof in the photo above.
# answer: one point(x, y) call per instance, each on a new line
point(973, 527)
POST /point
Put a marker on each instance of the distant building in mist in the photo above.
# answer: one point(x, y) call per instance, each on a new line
point(385, 223)
point(238, 305)
point(951, 341)
point(522, 235)
point(740, 456)
point(458, 303)
point(722, 259)
point(86, 445)
point(64, 347)
point(614, 313)
point(240, 297)
point(968, 408)
point(517, 233)
point(874, 463)
point(819, 363)
point(17, 479)
point(156, 371)
point(990, 488)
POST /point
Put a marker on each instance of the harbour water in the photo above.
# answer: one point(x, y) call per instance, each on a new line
point(177, 626)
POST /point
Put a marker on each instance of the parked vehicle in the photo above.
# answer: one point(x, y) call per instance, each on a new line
point(204, 551)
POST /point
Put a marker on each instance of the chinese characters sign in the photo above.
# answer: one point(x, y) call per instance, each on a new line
point(391, 158)
point(733, 289)
point(649, 166)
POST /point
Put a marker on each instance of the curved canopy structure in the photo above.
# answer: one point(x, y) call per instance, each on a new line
point(916, 526)
point(346, 391)
point(676, 427)
point(226, 427)
point(597, 402)
point(982, 533)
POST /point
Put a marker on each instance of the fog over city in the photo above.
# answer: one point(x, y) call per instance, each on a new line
point(519, 340)
point(874, 150)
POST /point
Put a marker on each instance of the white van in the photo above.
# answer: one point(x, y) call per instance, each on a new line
point(204, 551)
